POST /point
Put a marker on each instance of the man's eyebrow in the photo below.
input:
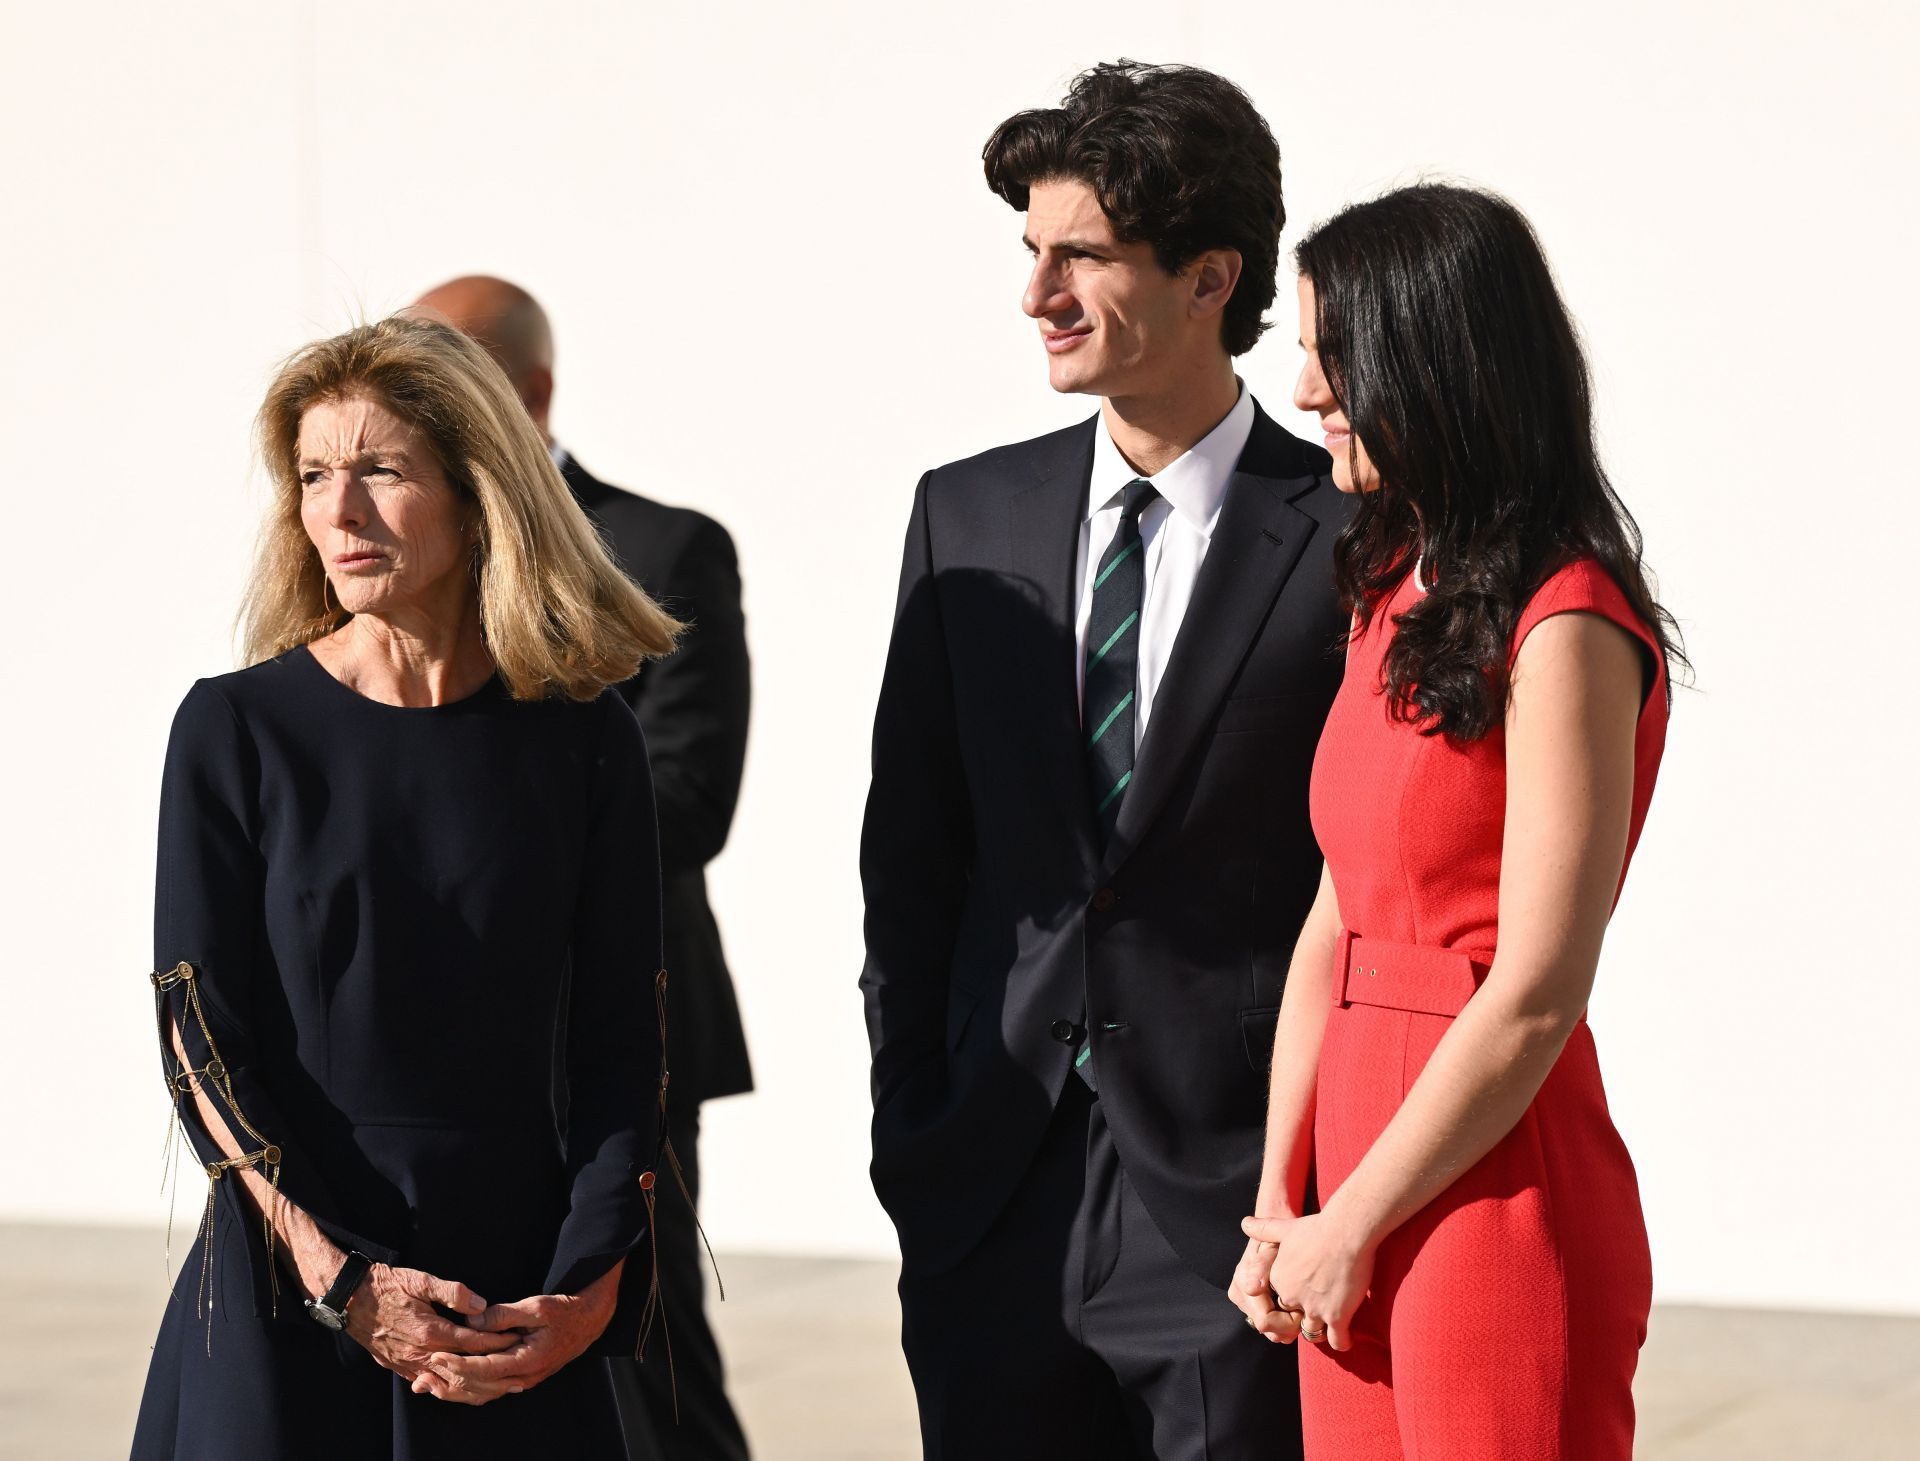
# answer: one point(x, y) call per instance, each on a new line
point(1075, 245)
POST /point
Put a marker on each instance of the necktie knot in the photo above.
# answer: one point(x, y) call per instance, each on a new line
point(1136, 498)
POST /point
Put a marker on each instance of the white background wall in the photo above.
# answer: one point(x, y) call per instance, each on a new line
point(781, 291)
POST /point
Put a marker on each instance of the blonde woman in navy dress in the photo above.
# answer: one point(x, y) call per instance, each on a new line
point(399, 852)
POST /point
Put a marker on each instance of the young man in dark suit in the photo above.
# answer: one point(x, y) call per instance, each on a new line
point(1086, 853)
point(693, 708)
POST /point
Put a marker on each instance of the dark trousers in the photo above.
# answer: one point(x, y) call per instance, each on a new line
point(707, 1429)
point(1075, 1331)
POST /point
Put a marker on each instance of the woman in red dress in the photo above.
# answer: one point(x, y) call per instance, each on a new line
point(1476, 1280)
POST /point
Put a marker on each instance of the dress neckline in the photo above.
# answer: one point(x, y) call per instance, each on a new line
point(488, 691)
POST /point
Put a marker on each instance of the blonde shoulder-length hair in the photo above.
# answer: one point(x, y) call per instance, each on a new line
point(559, 616)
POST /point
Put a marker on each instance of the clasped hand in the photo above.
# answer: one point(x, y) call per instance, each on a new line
point(543, 1334)
point(501, 1349)
point(1302, 1277)
point(392, 1316)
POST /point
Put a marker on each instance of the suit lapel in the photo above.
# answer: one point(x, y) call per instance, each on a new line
point(1255, 545)
point(1044, 522)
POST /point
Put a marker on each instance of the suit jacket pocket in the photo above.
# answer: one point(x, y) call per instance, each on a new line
point(1265, 713)
point(1256, 1033)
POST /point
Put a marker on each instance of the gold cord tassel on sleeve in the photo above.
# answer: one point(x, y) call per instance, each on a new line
point(656, 1306)
point(212, 1077)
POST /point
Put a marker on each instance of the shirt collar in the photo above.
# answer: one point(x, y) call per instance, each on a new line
point(1194, 484)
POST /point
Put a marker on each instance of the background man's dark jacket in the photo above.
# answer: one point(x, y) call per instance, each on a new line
point(693, 706)
point(997, 927)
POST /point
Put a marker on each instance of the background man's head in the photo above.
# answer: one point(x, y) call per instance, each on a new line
point(1154, 213)
point(510, 323)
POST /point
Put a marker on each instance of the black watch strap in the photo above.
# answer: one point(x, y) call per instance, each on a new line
point(331, 1308)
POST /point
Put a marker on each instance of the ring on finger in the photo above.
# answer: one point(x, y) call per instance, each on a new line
point(1312, 1336)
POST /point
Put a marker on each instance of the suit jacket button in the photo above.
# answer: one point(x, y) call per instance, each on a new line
point(1104, 900)
point(1061, 1030)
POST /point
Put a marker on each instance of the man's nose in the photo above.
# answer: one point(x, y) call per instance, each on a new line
point(1047, 292)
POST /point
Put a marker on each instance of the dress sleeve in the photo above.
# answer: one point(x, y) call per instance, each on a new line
point(1585, 587)
point(614, 1035)
point(210, 958)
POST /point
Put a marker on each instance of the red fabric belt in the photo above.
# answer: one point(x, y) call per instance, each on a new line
point(1426, 981)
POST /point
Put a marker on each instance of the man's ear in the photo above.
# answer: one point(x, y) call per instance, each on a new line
point(536, 389)
point(1214, 275)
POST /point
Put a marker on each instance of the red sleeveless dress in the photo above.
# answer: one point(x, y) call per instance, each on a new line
point(1506, 1317)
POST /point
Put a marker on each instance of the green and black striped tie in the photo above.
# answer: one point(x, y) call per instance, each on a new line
point(1108, 700)
point(1113, 661)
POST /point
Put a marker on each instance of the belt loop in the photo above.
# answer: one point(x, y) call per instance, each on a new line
point(1342, 961)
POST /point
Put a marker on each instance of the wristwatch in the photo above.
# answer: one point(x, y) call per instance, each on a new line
point(330, 1310)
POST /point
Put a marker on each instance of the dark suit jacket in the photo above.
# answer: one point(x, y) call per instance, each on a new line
point(693, 707)
point(994, 919)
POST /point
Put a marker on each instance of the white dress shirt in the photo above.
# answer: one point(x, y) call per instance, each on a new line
point(1174, 533)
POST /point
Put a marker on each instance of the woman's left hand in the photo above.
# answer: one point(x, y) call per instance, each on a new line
point(554, 1329)
point(1321, 1272)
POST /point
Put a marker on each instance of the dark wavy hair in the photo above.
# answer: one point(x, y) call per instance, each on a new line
point(1445, 341)
point(1179, 160)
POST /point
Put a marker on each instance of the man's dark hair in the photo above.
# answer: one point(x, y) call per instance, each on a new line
point(1179, 160)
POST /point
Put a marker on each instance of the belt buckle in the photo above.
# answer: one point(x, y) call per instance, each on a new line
point(1342, 966)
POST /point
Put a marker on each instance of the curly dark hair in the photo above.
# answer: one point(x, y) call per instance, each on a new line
point(1179, 160)
point(1445, 341)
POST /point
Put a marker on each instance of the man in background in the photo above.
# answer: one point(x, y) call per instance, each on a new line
point(693, 708)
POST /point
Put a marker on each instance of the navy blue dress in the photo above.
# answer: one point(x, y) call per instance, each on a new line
point(371, 924)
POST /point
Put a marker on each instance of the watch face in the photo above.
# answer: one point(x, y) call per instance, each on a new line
point(325, 1316)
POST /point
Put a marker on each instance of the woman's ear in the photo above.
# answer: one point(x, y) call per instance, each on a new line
point(471, 519)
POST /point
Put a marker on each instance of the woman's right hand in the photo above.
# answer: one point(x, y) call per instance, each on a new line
point(1252, 1294)
point(391, 1316)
